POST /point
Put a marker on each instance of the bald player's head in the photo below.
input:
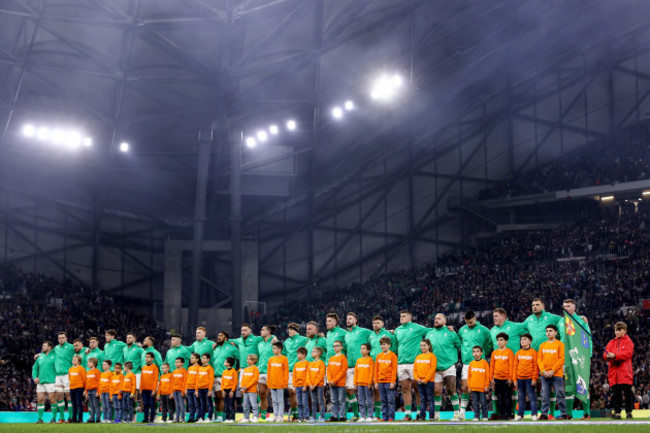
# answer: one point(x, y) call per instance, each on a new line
point(440, 320)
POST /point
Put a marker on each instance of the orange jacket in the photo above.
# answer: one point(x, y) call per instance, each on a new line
point(179, 379)
point(337, 368)
point(424, 368)
point(149, 378)
point(129, 383)
point(105, 382)
point(386, 367)
point(364, 371)
point(316, 374)
point(192, 376)
point(92, 379)
point(205, 378)
point(300, 373)
point(525, 365)
point(551, 357)
point(116, 384)
point(478, 375)
point(502, 364)
point(165, 387)
point(249, 378)
point(277, 372)
point(77, 376)
point(229, 380)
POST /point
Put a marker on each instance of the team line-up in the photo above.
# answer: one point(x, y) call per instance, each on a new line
point(362, 368)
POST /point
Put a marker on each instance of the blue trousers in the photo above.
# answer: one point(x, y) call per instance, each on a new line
point(117, 405)
point(149, 405)
point(337, 394)
point(179, 402)
point(106, 405)
point(229, 404)
point(387, 401)
point(479, 404)
point(127, 406)
point(77, 397)
point(302, 398)
point(192, 404)
point(205, 403)
point(366, 401)
point(277, 396)
point(317, 402)
point(426, 400)
point(526, 388)
point(93, 406)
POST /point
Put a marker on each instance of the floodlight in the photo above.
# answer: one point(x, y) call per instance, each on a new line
point(88, 141)
point(124, 146)
point(73, 139)
point(607, 198)
point(57, 136)
point(43, 133)
point(262, 136)
point(273, 129)
point(337, 112)
point(385, 88)
point(349, 105)
point(29, 130)
point(291, 125)
point(251, 142)
point(397, 80)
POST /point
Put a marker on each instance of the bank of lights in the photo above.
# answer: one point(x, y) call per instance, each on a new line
point(58, 136)
point(386, 88)
point(262, 135)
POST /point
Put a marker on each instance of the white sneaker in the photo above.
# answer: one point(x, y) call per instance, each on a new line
point(436, 416)
point(484, 419)
point(475, 419)
point(229, 421)
point(280, 419)
point(462, 414)
point(375, 419)
point(169, 421)
point(534, 417)
point(244, 421)
point(363, 419)
point(518, 418)
point(456, 416)
point(218, 419)
point(254, 420)
point(270, 418)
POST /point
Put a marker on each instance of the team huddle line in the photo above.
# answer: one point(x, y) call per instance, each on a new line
point(361, 370)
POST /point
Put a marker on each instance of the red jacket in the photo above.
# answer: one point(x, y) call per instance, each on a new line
point(620, 368)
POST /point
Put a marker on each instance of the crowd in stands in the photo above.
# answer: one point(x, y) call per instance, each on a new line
point(610, 272)
point(602, 262)
point(624, 159)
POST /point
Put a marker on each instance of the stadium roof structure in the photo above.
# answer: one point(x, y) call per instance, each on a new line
point(490, 88)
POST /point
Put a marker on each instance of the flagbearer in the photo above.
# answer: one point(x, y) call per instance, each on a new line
point(576, 335)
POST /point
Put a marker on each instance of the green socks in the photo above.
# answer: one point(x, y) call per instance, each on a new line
point(553, 400)
point(294, 412)
point(264, 412)
point(495, 407)
point(55, 411)
point(586, 407)
point(407, 411)
point(220, 415)
point(437, 401)
point(464, 400)
point(454, 402)
point(41, 410)
point(61, 407)
point(378, 409)
point(569, 399)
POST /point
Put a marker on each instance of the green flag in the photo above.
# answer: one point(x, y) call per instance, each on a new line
point(577, 347)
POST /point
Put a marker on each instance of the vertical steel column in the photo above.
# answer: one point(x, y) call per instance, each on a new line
point(202, 175)
point(235, 227)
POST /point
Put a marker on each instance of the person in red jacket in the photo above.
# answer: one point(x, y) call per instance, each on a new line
point(618, 353)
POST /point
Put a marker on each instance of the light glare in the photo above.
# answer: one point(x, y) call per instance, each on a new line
point(273, 129)
point(88, 142)
point(385, 88)
point(262, 136)
point(57, 136)
point(29, 130)
point(124, 146)
point(250, 142)
point(337, 112)
point(43, 133)
point(291, 125)
point(349, 105)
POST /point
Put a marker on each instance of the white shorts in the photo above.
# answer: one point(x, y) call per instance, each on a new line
point(217, 384)
point(405, 372)
point(138, 377)
point(440, 375)
point(46, 387)
point(290, 385)
point(349, 379)
point(465, 373)
point(62, 383)
point(263, 379)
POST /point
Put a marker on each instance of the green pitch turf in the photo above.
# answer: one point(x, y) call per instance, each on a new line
point(555, 427)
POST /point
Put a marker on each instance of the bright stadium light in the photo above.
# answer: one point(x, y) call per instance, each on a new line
point(349, 105)
point(73, 139)
point(385, 89)
point(273, 129)
point(43, 133)
point(251, 142)
point(262, 136)
point(88, 141)
point(124, 147)
point(57, 136)
point(29, 130)
point(337, 112)
point(291, 125)
point(607, 198)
